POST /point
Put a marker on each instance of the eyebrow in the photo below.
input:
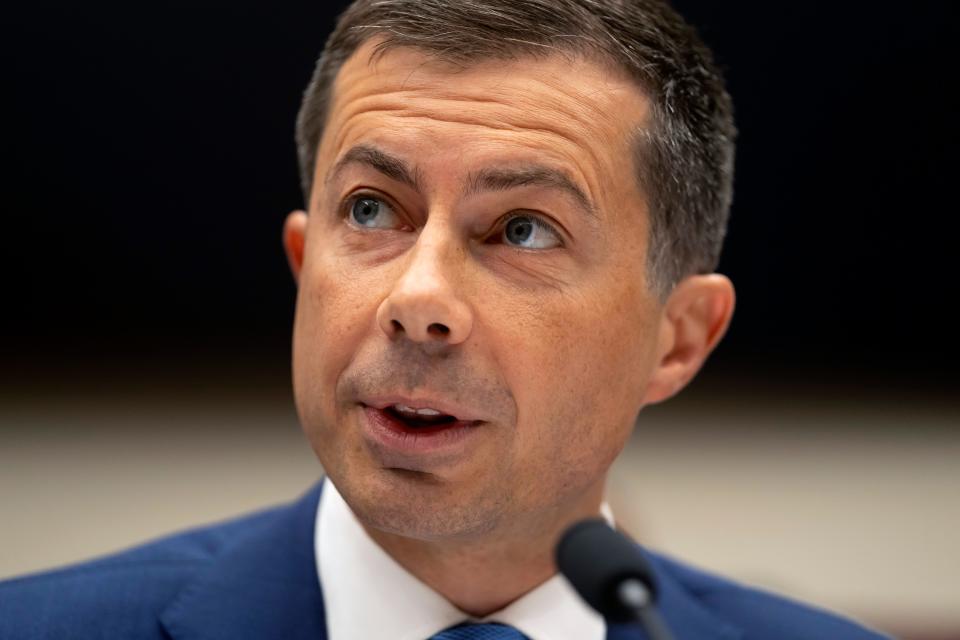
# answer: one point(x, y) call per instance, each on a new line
point(389, 165)
point(489, 179)
point(502, 179)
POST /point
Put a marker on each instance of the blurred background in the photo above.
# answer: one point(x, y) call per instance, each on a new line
point(147, 305)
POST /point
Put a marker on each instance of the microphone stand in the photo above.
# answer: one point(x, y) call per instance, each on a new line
point(635, 597)
point(610, 573)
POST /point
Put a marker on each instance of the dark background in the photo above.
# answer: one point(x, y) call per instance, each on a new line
point(151, 164)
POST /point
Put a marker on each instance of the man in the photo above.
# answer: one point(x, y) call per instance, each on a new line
point(514, 211)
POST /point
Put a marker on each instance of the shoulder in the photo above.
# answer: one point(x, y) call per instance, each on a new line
point(115, 596)
point(758, 613)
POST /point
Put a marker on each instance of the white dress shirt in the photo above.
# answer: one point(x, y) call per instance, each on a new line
point(369, 596)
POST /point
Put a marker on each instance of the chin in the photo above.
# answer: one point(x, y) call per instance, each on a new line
point(413, 505)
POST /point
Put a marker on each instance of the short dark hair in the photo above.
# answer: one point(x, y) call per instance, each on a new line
point(684, 156)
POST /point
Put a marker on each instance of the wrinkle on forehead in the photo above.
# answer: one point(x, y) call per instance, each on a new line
point(579, 112)
point(541, 137)
point(586, 94)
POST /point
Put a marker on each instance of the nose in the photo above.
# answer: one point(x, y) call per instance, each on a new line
point(424, 305)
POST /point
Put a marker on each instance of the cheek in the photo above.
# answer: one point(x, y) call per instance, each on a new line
point(578, 370)
point(335, 309)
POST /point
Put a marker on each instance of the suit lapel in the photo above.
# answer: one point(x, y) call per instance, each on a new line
point(262, 585)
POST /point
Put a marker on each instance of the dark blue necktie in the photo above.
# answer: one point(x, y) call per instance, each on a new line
point(470, 631)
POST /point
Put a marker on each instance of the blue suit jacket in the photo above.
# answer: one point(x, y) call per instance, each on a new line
point(256, 577)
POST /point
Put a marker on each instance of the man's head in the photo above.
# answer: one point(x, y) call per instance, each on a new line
point(514, 210)
point(683, 154)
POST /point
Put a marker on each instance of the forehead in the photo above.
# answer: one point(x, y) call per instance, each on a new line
point(573, 112)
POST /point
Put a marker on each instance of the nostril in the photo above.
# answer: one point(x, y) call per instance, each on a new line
point(439, 330)
point(397, 327)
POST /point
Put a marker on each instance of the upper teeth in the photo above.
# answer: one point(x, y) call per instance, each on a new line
point(402, 408)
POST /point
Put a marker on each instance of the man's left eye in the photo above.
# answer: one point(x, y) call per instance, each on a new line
point(530, 232)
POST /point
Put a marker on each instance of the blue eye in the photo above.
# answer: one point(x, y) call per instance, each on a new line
point(372, 213)
point(530, 232)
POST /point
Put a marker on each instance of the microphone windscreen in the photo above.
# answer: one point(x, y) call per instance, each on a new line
point(596, 560)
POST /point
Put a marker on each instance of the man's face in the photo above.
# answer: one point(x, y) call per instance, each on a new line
point(476, 245)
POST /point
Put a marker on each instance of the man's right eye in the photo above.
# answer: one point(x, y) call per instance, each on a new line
point(371, 213)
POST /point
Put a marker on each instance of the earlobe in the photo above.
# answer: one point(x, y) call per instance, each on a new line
point(695, 318)
point(294, 240)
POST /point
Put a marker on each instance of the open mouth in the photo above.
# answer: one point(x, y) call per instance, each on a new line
point(421, 421)
point(418, 438)
point(419, 418)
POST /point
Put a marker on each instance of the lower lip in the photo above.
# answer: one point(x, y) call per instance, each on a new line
point(400, 446)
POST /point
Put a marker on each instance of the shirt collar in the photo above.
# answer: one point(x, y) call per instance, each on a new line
point(367, 594)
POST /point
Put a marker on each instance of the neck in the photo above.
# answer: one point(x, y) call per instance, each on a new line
point(483, 574)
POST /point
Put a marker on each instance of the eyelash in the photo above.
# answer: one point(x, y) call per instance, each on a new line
point(348, 203)
point(539, 221)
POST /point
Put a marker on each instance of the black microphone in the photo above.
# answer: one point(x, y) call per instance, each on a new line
point(608, 571)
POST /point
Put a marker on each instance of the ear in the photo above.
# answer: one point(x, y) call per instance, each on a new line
point(694, 319)
point(294, 239)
